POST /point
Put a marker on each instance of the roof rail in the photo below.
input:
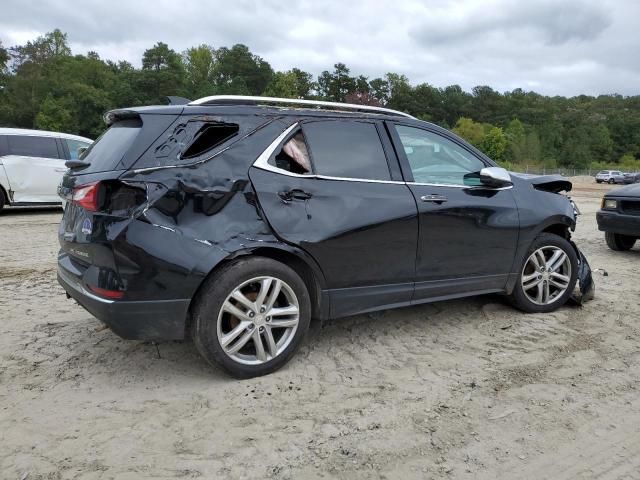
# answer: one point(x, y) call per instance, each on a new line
point(248, 100)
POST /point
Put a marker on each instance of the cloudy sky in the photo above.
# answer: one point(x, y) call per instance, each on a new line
point(563, 47)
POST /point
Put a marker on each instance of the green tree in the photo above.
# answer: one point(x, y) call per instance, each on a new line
point(471, 131)
point(163, 73)
point(291, 84)
point(199, 66)
point(494, 144)
point(335, 86)
point(238, 71)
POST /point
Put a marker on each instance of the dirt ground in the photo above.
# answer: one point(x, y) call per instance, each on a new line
point(461, 389)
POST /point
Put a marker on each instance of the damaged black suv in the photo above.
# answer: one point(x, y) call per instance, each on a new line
point(237, 220)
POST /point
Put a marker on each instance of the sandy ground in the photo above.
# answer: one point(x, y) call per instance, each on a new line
point(460, 389)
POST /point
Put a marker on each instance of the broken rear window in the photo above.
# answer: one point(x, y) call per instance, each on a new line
point(208, 137)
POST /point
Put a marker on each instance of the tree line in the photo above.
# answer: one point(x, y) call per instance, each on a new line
point(44, 85)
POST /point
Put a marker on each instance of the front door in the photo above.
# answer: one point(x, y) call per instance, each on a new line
point(327, 187)
point(468, 233)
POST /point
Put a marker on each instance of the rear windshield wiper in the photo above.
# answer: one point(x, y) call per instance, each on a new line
point(76, 164)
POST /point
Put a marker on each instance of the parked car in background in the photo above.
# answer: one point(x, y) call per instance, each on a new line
point(238, 219)
point(631, 178)
point(32, 163)
point(619, 217)
point(610, 176)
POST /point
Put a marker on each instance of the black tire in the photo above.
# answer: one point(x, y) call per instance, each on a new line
point(3, 199)
point(611, 181)
point(520, 300)
point(619, 243)
point(212, 297)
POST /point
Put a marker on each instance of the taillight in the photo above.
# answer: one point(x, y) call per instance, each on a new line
point(110, 294)
point(87, 196)
point(111, 197)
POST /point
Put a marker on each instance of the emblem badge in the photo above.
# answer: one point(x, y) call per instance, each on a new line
point(87, 226)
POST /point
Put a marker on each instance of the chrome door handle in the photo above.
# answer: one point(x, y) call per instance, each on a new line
point(433, 198)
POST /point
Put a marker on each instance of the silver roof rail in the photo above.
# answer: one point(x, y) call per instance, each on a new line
point(248, 100)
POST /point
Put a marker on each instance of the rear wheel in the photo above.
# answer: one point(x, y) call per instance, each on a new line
point(3, 199)
point(251, 316)
point(618, 242)
point(548, 275)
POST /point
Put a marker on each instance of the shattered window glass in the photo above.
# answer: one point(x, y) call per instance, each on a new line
point(294, 156)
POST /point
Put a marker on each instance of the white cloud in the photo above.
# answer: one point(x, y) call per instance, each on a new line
point(568, 47)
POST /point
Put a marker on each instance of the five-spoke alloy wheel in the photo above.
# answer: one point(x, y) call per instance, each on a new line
point(251, 316)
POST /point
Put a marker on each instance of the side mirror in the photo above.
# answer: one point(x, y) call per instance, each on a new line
point(495, 177)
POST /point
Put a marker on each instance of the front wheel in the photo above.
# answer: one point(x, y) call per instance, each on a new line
point(618, 242)
point(251, 316)
point(548, 275)
point(611, 181)
point(2, 199)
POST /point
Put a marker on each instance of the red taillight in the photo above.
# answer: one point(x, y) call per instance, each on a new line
point(111, 294)
point(87, 196)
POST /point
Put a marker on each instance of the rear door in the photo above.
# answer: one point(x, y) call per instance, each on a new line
point(468, 232)
point(34, 167)
point(334, 189)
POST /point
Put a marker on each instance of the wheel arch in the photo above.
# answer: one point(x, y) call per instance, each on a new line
point(299, 261)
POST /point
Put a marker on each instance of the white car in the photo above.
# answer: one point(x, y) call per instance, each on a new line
point(32, 163)
point(610, 176)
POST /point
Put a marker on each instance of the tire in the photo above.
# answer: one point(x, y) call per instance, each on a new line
point(212, 322)
point(598, 181)
point(611, 181)
point(618, 242)
point(548, 244)
point(3, 199)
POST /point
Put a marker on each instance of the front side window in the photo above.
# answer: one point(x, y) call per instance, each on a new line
point(347, 149)
point(435, 159)
point(75, 147)
point(32, 146)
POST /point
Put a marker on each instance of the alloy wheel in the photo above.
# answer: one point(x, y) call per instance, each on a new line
point(546, 275)
point(258, 320)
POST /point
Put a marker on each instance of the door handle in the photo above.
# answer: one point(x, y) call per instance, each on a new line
point(61, 170)
point(433, 198)
point(294, 194)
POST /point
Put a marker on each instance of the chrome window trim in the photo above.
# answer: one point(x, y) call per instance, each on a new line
point(262, 162)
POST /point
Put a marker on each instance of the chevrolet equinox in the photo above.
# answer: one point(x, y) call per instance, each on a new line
point(236, 220)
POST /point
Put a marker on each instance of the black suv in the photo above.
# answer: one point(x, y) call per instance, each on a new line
point(619, 217)
point(237, 220)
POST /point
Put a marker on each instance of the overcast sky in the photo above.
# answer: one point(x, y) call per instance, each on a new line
point(563, 47)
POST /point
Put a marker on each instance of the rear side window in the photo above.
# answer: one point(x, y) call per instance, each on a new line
point(109, 149)
point(210, 136)
point(348, 149)
point(33, 146)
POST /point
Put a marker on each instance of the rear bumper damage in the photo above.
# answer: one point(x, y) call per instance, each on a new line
point(131, 320)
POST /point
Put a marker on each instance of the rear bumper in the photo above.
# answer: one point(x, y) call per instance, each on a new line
point(132, 320)
point(618, 223)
